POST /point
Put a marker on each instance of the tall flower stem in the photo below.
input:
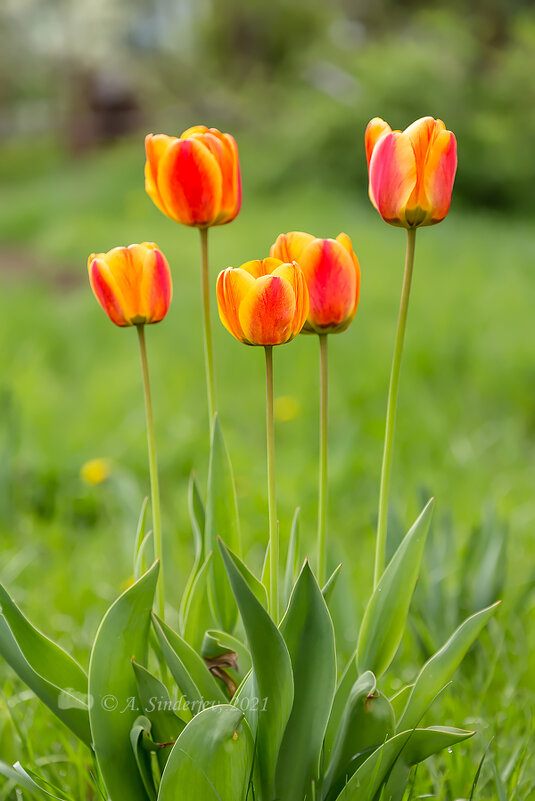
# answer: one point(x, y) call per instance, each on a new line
point(272, 500)
point(392, 409)
point(208, 346)
point(322, 496)
point(153, 469)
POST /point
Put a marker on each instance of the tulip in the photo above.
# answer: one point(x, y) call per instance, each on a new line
point(332, 274)
point(132, 284)
point(411, 179)
point(195, 178)
point(263, 302)
point(411, 172)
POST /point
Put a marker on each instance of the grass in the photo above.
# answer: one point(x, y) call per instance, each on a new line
point(71, 391)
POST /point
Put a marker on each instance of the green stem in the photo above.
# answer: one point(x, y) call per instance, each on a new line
point(208, 346)
point(392, 408)
point(153, 469)
point(322, 497)
point(272, 500)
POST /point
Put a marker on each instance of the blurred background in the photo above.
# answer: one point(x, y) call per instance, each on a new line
point(81, 83)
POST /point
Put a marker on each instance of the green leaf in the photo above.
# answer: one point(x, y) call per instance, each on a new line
point(221, 521)
point(30, 782)
point(384, 619)
point(139, 734)
point(343, 689)
point(158, 707)
point(188, 669)
point(272, 671)
point(368, 720)
point(409, 746)
point(328, 589)
point(51, 673)
point(211, 760)
point(197, 616)
point(197, 518)
point(308, 631)
point(438, 670)
point(142, 541)
point(292, 559)
point(397, 781)
point(145, 556)
point(122, 636)
point(399, 700)
point(256, 586)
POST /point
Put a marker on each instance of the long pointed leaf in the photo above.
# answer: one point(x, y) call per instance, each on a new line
point(308, 631)
point(49, 671)
point(188, 668)
point(122, 636)
point(211, 760)
point(410, 746)
point(272, 671)
point(221, 521)
point(438, 670)
point(368, 720)
point(384, 620)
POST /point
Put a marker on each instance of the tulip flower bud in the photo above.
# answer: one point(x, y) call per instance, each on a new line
point(332, 274)
point(411, 172)
point(132, 284)
point(194, 179)
point(263, 302)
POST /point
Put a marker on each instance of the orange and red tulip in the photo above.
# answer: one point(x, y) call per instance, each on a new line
point(263, 302)
point(411, 172)
point(332, 274)
point(195, 178)
point(132, 284)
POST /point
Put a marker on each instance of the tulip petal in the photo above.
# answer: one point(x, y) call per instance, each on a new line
point(288, 247)
point(392, 176)
point(346, 242)
point(332, 282)
point(107, 291)
point(155, 147)
point(232, 286)
point(295, 276)
point(190, 182)
point(439, 174)
point(156, 289)
point(267, 312)
point(259, 267)
point(375, 129)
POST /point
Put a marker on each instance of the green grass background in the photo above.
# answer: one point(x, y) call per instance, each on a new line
point(70, 390)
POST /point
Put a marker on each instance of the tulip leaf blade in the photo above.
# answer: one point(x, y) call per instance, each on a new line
point(49, 671)
point(308, 631)
point(197, 616)
point(367, 721)
point(221, 521)
point(439, 669)
point(384, 619)
point(188, 669)
point(410, 747)
point(212, 758)
point(122, 636)
point(158, 708)
point(272, 674)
